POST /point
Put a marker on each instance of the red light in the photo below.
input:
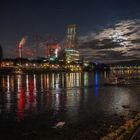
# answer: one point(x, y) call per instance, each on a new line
point(21, 105)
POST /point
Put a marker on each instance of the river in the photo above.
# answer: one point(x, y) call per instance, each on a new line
point(32, 105)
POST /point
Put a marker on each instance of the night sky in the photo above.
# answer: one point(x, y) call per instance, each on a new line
point(20, 18)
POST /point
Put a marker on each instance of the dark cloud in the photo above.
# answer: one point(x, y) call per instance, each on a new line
point(136, 41)
point(121, 42)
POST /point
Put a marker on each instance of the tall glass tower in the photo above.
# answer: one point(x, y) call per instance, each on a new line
point(72, 36)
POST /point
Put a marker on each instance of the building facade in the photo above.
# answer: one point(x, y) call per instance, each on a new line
point(71, 36)
point(71, 55)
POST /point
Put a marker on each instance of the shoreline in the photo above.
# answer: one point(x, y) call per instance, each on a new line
point(125, 131)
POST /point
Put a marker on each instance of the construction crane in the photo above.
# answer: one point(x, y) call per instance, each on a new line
point(20, 46)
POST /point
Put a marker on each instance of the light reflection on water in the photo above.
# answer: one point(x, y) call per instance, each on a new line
point(66, 96)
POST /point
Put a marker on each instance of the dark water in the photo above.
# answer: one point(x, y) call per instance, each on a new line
point(31, 105)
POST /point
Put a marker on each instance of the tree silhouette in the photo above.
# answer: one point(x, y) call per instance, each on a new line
point(1, 52)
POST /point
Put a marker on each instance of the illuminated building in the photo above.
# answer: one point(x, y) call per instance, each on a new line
point(71, 37)
point(71, 55)
point(52, 51)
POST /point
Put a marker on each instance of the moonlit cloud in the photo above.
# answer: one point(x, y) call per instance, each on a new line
point(121, 42)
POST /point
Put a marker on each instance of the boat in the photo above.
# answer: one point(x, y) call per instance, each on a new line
point(116, 81)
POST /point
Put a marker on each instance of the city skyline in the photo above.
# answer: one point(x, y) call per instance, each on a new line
point(51, 18)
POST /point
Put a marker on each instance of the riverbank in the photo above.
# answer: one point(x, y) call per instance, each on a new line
point(85, 130)
point(125, 131)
